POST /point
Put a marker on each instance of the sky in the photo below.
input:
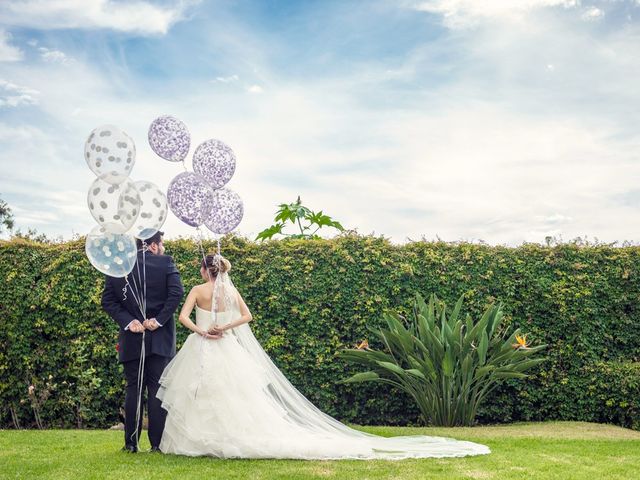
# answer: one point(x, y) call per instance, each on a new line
point(502, 121)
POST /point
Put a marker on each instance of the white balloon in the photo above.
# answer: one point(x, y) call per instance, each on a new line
point(153, 210)
point(111, 253)
point(115, 206)
point(110, 153)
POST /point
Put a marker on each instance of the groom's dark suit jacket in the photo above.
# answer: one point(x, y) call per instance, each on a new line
point(164, 292)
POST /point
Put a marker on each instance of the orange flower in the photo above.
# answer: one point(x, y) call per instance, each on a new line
point(364, 345)
point(521, 342)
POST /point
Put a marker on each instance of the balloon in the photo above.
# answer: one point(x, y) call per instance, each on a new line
point(227, 211)
point(111, 253)
point(115, 206)
point(215, 161)
point(153, 210)
point(169, 138)
point(190, 198)
point(110, 153)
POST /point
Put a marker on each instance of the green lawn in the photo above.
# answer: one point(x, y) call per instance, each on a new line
point(553, 450)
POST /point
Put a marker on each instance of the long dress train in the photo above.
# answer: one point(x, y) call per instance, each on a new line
point(225, 398)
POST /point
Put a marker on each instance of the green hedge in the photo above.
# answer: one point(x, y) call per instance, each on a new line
point(312, 298)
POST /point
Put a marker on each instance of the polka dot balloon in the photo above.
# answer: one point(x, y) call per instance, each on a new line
point(110, 253)
point(115, 206)
point(110, 153)
point(153, 210)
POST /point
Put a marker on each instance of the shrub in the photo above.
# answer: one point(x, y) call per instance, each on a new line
point(447, 365)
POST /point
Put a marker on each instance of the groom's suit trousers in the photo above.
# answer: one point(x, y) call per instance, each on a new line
point(154, 365)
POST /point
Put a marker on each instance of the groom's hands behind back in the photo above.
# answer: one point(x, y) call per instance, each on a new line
point(136, 327)
point(151, 324)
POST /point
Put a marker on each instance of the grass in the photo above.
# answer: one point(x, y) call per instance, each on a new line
point(550, 450)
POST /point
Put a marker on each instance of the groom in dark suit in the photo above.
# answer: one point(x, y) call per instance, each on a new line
point(163, 295)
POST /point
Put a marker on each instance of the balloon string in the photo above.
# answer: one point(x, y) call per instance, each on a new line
point(139, 294)
point(214, 313)
point(140, 385)
point(142, 290)
point(204, 259)
point(144, 278)
point(124, 290)
point(135, 292)
point(201, 368)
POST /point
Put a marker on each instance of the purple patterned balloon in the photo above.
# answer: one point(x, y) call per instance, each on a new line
point(190, 198)
point(215, 161)
point(169, 138)
point(226, 213)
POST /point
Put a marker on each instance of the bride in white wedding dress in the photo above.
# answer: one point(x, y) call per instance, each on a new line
point(225, 398)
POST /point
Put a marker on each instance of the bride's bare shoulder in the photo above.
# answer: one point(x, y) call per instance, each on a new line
point(200, 288)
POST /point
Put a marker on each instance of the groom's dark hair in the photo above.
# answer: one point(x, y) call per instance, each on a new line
point(155, 238)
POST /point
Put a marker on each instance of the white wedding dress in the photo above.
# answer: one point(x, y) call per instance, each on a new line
point(225, 398)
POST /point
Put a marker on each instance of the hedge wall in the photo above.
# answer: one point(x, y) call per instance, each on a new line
point(312, 298)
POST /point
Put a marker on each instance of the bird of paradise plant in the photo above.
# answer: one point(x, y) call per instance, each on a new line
point(447, 364)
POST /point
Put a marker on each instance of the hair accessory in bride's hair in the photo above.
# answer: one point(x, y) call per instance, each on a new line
point(215, 264)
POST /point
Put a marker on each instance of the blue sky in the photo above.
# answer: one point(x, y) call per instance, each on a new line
point(498, 120)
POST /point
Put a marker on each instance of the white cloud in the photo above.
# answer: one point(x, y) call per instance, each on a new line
point(8, 52)
point(501, 151)
point(54, 56)
point(229, 79)
point(12, 95)
point(465, 13)
point(255, 89)
point(592, 14)
point(554, 219)
point(137, 16)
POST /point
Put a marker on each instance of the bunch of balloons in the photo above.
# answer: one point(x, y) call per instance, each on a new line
point(200, 197)
point(124, 209)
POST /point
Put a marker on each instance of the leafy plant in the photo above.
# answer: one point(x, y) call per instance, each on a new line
point(447, 364)
point(39, 392)
point(583, 300)
point(6, 216)
point(296, 213)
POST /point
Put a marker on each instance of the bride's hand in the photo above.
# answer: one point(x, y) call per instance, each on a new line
point(216, 330)
point(210, 335)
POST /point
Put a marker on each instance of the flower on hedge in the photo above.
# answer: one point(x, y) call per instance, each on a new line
point(521, 342)
point(31, 389)
point(364, 345)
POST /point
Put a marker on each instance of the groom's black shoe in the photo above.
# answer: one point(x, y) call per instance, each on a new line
point(129, 449)
point(155, 450)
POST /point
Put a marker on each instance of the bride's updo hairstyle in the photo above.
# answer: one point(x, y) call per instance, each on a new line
point(215, 264)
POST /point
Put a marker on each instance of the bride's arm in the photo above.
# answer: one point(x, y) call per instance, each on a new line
point(185, 313)
point(245, 316)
